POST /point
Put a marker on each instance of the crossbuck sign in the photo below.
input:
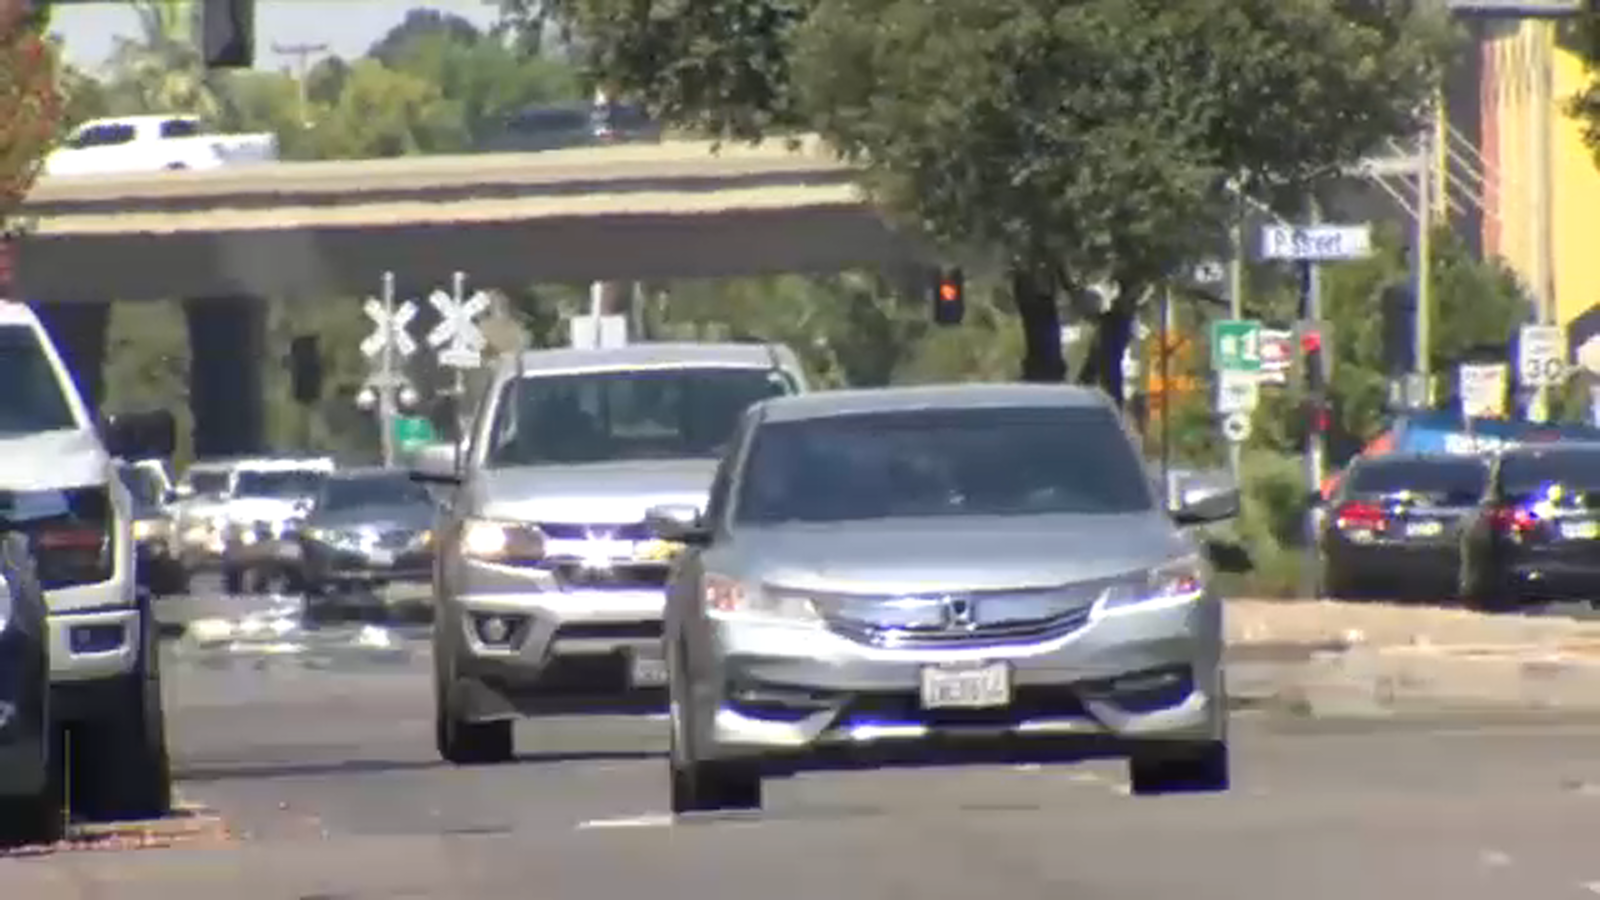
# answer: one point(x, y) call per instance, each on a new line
point(458, 328)
point(389, 329)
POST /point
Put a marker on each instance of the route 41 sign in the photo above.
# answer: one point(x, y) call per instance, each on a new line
point(1542, 356)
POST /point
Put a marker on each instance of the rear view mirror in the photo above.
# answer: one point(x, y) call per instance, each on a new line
point(1198, 508)
point(435, 464)
point(677, 524)
point(140, 435)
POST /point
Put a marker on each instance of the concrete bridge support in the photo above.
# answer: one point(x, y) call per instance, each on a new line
point(227, 349)
point(78, 330)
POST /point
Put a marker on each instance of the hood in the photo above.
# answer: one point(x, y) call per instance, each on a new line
point(409, 516)
point(601, 493)
point(977, 553)
point(52, 459)
point(259, 509)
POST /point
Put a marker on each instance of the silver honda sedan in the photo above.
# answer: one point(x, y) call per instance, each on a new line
point(935, 575)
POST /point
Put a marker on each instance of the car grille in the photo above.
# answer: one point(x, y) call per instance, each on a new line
point(396, 539)
point(992, 617)
point(575, 575)
point(567, 531)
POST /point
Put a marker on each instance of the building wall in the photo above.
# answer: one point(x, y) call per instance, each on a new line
point(1510, 102)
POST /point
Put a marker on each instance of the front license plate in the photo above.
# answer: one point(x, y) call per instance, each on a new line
point(1580, 530)
point(381, 557)
point(646, 671)
point(966, 687)
point(1424, 529)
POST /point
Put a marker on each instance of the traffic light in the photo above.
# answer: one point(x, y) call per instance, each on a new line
point(949, 297)
point(305, 369)
point(1315, 340)
point(1399, 308)
point(228, 33)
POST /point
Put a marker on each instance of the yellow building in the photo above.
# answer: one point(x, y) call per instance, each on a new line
point(1542, 220)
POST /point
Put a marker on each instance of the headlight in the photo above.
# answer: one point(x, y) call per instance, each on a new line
point(727, 598)
point(501, 541)
point(425, 539)
point(1171, 583)
point(144, 529)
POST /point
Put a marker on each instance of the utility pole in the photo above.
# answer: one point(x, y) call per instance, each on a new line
point(1421, 331)
point(1236, 312)
point(1541, 34)
point(302, 54)
point(1311, 311)
point(386, 377)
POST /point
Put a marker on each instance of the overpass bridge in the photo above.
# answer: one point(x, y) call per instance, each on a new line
point(223, 240)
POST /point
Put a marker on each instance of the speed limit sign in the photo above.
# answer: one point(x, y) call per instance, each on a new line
point(1542, 355)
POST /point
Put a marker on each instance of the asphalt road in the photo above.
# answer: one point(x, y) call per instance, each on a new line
point(322, 764)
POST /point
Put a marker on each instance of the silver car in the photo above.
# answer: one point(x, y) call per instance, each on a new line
point(923, 575)
point(548, 589)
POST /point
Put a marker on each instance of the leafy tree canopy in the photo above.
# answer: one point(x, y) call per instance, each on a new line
point(30, 105)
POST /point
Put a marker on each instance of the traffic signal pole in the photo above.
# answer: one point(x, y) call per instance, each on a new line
point(1316, 397)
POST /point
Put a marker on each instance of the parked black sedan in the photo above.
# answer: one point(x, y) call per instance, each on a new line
point(1393, 529)
point(1537, 533)
point(31, 795)
point(367, 528)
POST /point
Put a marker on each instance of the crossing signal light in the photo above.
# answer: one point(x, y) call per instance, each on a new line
point(305, 369)
point(227, 33)
point(949, 298)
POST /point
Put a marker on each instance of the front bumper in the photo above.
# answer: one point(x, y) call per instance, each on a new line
point(94, 631)
point(802, 697)
point(566, 649)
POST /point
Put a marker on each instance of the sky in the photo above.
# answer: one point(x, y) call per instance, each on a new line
point(347, 27)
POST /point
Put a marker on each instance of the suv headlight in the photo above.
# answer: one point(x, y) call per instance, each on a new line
point(500, 541)
point(1169, 584)
point(728, 598)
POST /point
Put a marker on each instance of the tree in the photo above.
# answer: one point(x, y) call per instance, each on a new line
point(161, 71)
point(30, 105)
point(1072, 142)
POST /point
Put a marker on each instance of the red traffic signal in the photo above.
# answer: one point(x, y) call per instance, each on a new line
point(1311, 342)
point(949, 297)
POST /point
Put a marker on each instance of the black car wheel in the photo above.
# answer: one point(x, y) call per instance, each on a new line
point(119, 762)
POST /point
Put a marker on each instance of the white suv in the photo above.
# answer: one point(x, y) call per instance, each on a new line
point(57, 474)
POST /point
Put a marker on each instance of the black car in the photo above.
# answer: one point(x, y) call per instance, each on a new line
point(160, 568)
point(1537, 533)
point(31, 795)
point(367, 528)
point(1394, 527)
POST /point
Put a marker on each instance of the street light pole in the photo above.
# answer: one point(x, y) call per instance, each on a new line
point(386, 379)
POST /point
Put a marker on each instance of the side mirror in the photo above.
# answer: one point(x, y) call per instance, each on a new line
point(434, 464)
point(1208, 507)
point(141, 435)
point(169, 497)
point(678, 524)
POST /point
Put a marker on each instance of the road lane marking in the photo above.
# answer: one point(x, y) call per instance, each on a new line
point(648, 820)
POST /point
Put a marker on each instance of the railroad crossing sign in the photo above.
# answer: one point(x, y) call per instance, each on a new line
point(1236, 345)
point(1483, 389)
point(1542, 356)
point(458, 328)
point(389, 329)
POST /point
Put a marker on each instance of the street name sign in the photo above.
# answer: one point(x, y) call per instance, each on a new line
point(1316, 243)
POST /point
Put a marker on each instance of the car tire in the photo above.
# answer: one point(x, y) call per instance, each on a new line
point(33, 821)
point(1195, 769)
point(120, 769)
point(698, 786)
point(466, 743)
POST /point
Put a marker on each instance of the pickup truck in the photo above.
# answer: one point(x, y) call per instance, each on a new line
point(154, 143)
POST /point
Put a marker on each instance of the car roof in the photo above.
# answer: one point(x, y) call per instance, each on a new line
point(651, 355)
point(1387, 459)
point(1551, 448)
point(865, 401)
point(13, 312)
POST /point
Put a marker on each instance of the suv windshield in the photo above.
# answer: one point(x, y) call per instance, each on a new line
point(956, 462)
point(593, 417)
point(33, 399)
point(277, 483)
point(371, 490)
point(1457, 480)
point(203, 483)
point(1524, 474)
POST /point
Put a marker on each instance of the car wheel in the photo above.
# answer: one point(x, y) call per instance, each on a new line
point(707, 786)
point(1197, 769)
point(31, 821)
point(468, 743)
point(119, 763)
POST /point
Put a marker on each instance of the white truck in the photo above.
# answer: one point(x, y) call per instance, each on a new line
point(57, 467)
point(155, 143)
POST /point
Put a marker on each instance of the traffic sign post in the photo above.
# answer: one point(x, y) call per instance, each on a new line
point(1237, 392)
point(457, 337)
point(1542, 356)
point(388, 339)
point(1236, 345)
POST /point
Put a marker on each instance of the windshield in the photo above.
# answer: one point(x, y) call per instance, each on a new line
point(208, 482)
point(277, 483)
point(142, 485)
point(33, 399)
point(1456, 480)
point(374, 490)
point(628, 415)
point(960, 462)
